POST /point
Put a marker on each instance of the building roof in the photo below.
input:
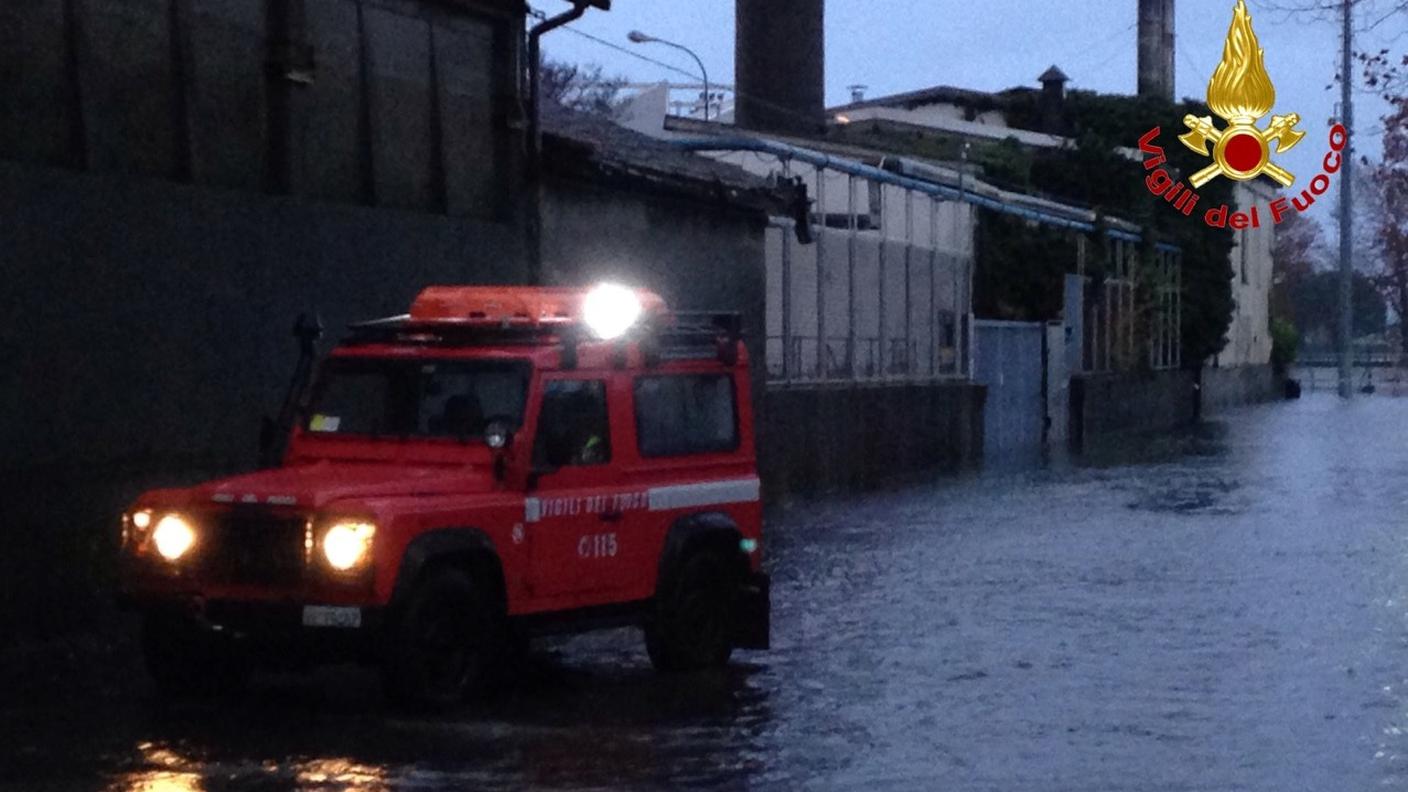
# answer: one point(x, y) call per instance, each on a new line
point(939, 94)
point(587, 144)
point(1053, 74)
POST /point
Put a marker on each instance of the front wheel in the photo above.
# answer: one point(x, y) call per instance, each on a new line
point(443, 644)
point(692, 624)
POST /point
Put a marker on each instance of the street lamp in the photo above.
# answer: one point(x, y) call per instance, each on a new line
point(638, 37)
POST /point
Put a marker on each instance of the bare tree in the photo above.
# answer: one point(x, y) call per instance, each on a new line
point(1390, 187)
point(1381, 72)
point(580, 87)
point(1373, 13)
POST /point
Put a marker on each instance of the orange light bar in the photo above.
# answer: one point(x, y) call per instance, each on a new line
point(534, 305)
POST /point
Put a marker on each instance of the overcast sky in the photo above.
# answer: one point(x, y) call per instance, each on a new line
point(902, 45)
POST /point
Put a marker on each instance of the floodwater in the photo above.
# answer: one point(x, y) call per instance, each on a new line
point(1223, 610)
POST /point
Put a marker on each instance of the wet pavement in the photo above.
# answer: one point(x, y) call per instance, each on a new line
point(1222, 610)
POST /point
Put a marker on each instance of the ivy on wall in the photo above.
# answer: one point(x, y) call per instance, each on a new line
point(1096, 175)
point(1021, 268)
point(1021, 264)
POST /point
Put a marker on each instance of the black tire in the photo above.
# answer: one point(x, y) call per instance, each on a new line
point(443, 644)
point(186, 661)
point(691, 627)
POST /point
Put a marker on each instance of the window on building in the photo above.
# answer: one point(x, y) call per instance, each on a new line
point(686, 414)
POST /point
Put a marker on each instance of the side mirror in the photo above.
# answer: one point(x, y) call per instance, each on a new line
point(498, 435)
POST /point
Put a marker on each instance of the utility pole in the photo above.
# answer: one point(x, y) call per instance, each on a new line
point(1347, 207)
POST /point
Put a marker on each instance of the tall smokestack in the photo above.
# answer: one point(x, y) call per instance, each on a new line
point(779, 66)
point(1156, 48)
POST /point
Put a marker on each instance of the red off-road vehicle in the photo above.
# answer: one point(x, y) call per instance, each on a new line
point(498, 463)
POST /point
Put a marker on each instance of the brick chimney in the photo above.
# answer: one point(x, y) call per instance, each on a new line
point(779, 66)
point(1156, 42)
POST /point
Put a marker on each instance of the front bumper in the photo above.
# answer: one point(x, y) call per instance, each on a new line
point(753, 613)
point(280, 632)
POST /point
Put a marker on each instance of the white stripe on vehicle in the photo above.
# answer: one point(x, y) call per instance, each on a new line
point(675, 496)
point(713, 493)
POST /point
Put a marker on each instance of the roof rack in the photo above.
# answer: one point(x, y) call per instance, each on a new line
point(550, 315)
point(686, 335)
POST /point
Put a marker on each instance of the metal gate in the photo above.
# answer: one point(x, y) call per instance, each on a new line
point(1008, 359)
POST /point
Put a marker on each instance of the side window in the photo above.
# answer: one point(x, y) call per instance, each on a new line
point(573, 428)
point(686, 414)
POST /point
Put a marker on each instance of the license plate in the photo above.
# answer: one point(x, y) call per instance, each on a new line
point(330, 616)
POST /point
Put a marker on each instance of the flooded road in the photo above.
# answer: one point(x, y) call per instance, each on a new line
point(1224, 610)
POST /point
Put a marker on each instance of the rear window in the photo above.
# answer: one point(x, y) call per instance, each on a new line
point(678, 415)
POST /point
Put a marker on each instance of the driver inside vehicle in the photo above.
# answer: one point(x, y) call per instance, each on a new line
point(573, 427)
point(462, 416)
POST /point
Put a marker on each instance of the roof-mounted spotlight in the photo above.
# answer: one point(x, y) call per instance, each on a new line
point(610, 310)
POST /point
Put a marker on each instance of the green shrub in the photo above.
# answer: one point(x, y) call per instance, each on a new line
point(1285, 342)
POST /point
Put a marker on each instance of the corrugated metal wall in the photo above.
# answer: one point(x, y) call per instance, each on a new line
point(391, 103)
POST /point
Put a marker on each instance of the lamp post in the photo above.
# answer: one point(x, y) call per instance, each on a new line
point(638, 37)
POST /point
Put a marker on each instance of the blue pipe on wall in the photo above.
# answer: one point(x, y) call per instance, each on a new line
point(853, 168)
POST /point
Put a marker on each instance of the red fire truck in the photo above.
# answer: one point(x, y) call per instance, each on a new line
point(498, 463)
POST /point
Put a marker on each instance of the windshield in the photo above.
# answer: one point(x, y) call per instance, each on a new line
point(379, 397)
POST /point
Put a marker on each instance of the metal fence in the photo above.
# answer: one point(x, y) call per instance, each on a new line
point(1132, 312)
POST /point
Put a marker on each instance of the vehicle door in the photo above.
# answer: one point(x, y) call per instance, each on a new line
point(572, 535)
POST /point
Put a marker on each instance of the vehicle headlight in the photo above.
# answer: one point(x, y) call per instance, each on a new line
point(135, 526)
point(142, 520)
point(173, 536)
point(347, 544)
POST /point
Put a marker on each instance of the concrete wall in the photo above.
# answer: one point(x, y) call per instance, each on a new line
point(1248, 336)
point(1231, 387)
point(1105, 404)
point(824, 438)
point(144, 329)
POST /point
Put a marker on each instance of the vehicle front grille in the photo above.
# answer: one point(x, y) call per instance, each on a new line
point(253, 546)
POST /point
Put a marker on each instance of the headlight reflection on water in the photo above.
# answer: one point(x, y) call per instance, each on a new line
point(173, 773)
point(341, 774)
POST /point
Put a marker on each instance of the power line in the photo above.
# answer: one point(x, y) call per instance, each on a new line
point(536, 14)
point(632, 53)
point(662, 64)
point(1098, 48)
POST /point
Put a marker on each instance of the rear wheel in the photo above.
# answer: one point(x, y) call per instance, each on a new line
point(443, 644)
point(185, 660)
point(692, 624)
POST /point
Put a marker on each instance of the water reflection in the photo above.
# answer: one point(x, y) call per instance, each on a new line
point(340, 774)
point(166, 771)
point(591, 714)
point(160, 781)
point(1220, 610)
